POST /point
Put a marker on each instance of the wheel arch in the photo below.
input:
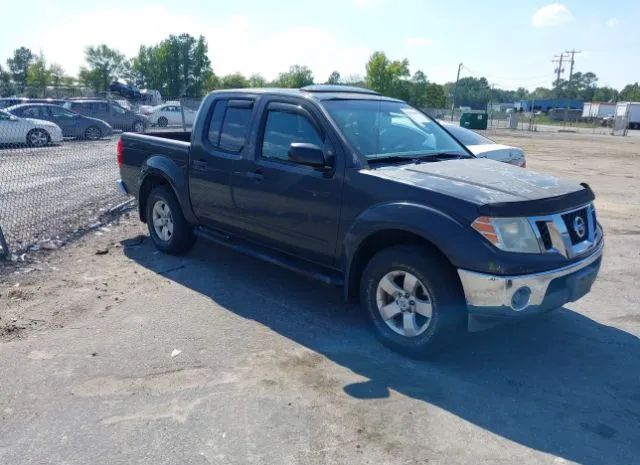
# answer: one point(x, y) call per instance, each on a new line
point(159, 170)
point(393, 224)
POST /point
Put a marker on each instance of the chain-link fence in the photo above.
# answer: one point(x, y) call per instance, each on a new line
point(47, 194)
point(58, 167)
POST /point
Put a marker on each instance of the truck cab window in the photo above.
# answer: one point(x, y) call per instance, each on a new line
point(284, 128)
point(215, 122)
point(234, 128)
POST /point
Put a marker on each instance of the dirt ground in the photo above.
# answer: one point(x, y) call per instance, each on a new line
point(113, 353)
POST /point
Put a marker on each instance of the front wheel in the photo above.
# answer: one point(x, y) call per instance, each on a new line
point(163, 122)
point(38, 138)
point(414, 300)
point(168, 228)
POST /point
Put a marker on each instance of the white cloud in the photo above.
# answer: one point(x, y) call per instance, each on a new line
point(612, 22)
point(418, 41)
point(554, 14)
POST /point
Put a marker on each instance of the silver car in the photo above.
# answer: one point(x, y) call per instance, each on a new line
point(484, 147)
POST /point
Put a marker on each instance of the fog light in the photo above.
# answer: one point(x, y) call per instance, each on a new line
point(520, 298)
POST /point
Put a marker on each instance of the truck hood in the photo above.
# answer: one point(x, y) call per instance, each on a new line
point(490, 183)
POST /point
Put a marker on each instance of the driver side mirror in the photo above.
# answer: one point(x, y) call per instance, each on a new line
point(13, 118)
point(307, 154)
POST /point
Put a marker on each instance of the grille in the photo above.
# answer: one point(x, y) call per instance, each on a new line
point(569, 218)
point(544, 233)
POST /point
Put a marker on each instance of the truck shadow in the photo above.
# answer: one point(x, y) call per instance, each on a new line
point(562, 384)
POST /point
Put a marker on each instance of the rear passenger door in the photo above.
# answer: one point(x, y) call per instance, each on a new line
point(292, 207)
point(213, 155)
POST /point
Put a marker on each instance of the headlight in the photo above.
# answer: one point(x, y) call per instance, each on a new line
point(508, 234)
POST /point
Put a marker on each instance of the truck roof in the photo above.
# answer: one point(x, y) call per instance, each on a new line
point(316, 92)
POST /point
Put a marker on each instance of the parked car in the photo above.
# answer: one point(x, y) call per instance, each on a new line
point(170, 115)
point(32, 132)
point(336, 183)
point(11, 101)
point(72, 124)
point(483, 147)
point(130, 92)
point(105, 110)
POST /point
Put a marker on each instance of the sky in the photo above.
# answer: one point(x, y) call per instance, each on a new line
point(511, 43)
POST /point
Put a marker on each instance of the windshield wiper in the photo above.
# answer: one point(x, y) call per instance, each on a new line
point(449, 155)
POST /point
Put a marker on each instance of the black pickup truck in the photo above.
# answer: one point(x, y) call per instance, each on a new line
point(364, 191)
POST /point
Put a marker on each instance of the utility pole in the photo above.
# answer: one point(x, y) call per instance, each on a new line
point(455, 91)
point(573, 53)
point(559, 59)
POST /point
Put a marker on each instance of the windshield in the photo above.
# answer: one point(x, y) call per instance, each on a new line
point(467, 137)
point(385, 129)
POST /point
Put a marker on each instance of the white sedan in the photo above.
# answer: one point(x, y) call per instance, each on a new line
point(33, 132)
point(483, 147)
point(170, 115)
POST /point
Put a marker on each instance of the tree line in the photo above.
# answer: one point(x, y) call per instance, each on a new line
point(179, 66)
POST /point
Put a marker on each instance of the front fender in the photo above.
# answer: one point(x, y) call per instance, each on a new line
point(174, 175)
point(454, 239)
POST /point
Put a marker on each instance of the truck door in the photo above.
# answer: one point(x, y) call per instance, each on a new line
point(289, 206)
point(219, 144)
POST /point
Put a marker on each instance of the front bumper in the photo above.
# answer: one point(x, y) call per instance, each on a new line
point(517, 296)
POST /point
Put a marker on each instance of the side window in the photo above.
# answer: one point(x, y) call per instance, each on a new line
point(234, 127)
point(117, 109)
point(216, 121)
point(31, 112)
point(282, 129)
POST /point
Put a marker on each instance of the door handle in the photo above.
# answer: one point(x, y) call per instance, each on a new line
point(199, 165)
point(255, 175)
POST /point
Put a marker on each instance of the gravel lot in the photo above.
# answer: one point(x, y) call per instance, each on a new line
point(112, 353)
point(50, 192)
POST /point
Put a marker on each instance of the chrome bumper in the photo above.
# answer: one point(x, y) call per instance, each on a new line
point(507, 295)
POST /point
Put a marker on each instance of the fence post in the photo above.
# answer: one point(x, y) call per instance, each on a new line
point(4, 248)
point(184, 123)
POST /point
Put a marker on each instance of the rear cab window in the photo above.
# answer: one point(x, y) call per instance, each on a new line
point(229, 124)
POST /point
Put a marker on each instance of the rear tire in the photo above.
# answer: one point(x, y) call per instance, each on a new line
point(138, 126)
point(93, 133)
point(414, 300)
point(169, 230)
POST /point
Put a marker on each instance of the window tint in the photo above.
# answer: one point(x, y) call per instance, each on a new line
point(282, 129)
point(216, 122)
point(234, 128)
point(119, 110)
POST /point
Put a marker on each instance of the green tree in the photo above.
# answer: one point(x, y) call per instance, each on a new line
point(6, 86)
point(104, 66)
point(233, 81)
point(177, 67)
point(334, 78)
point(257, 80)
point(56, 76)
point(297, 76)
point(385, 76)
point(19, 65)
point(630, 93)
point(434, 96)
point(38, 76)
point(540, 93)
point(605, 94)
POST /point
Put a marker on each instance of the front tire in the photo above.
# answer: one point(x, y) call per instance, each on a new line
point(38, 138)
point(168, 228)
point(163, 122)
point(414, 300)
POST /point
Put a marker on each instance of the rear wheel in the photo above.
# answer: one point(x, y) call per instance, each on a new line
point(38, 138)
point(138, 126)
point(168, 228)
point(414, 300)
point(163, 122)
point(93, 133)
